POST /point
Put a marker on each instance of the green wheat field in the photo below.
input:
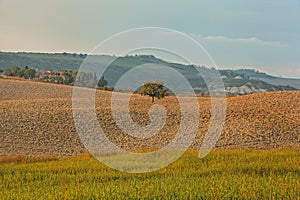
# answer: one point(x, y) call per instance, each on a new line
point(223, 174)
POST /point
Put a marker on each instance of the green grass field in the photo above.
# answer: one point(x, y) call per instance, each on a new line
point(223, 174)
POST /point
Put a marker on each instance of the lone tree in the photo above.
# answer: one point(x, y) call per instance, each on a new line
point(28, 73)
point(154, 89)
point(102, 82)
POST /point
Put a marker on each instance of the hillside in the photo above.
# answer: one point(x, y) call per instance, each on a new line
point(273, 80)
point(237, 82)
point(41, 61)
point(36, 118)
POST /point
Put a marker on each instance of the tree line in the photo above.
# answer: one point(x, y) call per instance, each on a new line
point(153, 89)
point(26, 73)
point(85, 79)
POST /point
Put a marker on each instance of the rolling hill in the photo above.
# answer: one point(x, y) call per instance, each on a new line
point(273, 80)
point(236, 82)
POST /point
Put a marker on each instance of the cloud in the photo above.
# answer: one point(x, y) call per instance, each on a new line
point(249, 40)
point(273, 57)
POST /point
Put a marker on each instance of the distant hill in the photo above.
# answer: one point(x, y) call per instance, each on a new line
point(237, 82)
point(253, 74)
point(41, 61)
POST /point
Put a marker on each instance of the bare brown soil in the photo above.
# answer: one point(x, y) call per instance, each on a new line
point(36, 119)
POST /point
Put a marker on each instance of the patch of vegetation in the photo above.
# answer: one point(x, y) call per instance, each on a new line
point(154, 89)
point(102, 82)
point(225, 174)
point(26, 73)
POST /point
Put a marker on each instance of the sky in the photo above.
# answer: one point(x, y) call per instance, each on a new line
point(258, 34)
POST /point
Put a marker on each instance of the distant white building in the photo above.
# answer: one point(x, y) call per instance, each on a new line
point(238, 77)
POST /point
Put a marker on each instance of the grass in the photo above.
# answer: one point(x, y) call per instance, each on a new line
point(223, 174)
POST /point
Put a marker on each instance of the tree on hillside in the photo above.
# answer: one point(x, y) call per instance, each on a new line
point(28, 73)
point(102, 82)
point(8, 72)
point(154, 89)
point(68, 76)
point(14, 71)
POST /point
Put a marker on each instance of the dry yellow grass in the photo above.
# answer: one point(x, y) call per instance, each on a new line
point(36, 119)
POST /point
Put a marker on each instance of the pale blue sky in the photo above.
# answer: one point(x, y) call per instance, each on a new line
point(261, 34)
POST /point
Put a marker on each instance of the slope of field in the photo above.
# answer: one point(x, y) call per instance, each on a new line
point(36, 118)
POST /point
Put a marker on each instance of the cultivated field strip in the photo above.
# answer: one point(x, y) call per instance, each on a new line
point(36, 118)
